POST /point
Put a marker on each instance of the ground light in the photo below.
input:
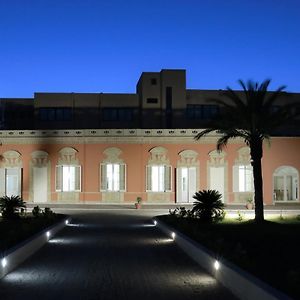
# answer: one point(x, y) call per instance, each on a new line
point(173, 235)
point(216, 265)
point(3, 262)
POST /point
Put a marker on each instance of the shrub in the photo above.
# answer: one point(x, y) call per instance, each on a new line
point(36, 211)
point(208, 206)
point(181, 212)
point(10, 206)
point(48, 213)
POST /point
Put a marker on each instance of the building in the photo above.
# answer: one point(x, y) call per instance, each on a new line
point(113, 148)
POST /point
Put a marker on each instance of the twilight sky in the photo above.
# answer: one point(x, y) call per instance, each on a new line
point(103, 46)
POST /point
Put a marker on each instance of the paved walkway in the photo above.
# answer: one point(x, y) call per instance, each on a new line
point(111, 254)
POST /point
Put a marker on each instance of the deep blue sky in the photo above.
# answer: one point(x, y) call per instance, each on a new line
point(103, 46)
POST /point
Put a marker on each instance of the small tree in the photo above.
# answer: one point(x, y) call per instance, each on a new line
point(208, 205)
point(10, 206)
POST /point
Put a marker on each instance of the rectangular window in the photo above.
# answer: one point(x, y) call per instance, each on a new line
point(55, 114)
point(201, 111)
point(159, 178)
point(112, 177)
point(10, 181)
point(68, 178)
point(152, 100)
point(117, 114)
point(153, 81)
point(242, 178)
point(125, 114)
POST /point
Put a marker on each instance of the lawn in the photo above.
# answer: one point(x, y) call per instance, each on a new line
point(13, 232)
point(269, 251)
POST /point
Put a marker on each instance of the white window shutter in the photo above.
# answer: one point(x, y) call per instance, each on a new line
point(148, 178)
point(122, 177)
point(235, 175)
point(58, 179)
point(103, 177)
point(178, 184)
point(19, 171)
point(77, 178)
point(168, 178)
point(2, 182)
point(192, 182)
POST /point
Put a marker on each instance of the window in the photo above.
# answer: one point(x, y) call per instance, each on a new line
point(117, 114)
point(55, 114)
point(10, 181)
point(242, 178)
point(201, 111)
point(159, 178)
point(113, 177)
point(152, 100)
point(68, 178)
point(153, 81)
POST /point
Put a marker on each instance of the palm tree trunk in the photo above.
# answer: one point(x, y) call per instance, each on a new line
point(256, 155)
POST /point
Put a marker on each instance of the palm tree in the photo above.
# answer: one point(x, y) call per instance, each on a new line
point(208, 205)
point(250, 115)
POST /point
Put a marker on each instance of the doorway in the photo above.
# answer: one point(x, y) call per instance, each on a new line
point(216, 179)
point(40, 184)
point(186, 184)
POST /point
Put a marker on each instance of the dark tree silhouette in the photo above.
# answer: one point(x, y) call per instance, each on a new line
point(208, 205)
point(9, 206)
point(252, 116)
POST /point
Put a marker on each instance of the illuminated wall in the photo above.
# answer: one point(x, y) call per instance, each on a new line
point(159, 165)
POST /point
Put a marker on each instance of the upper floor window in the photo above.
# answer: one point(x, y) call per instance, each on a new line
point(153, 81)
point(117, 114)
point(201, 111)
point(55, 114)
point(152, 100)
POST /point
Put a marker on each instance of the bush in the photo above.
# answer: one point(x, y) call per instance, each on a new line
point(36, 211)
point(208, 206)
point(48, 213)
point(10, 206)
point(181, 212)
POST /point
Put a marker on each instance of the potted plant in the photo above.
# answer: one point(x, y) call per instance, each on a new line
point(138, 203)
point(249, 203)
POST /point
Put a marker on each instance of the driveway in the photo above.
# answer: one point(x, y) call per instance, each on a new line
point(111, 254)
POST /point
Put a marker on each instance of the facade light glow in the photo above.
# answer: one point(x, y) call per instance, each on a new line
point(217, 265)
point(4, 262)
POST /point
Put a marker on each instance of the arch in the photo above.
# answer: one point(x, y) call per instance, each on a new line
point(188, 158)
point(11, 159)
point(217, 158)
point(286, 184)
point(243, 157)
point(158, 155)
point(39, 158)
point(68, 156)
point(112, 155)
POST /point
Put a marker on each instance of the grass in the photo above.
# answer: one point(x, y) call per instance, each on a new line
point(269, 251)
point(13, 232)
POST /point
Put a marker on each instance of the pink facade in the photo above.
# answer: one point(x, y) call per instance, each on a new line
point(191, 166)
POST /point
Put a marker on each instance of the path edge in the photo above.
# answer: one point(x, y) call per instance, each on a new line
point(239, 282)
point(19, 253)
